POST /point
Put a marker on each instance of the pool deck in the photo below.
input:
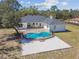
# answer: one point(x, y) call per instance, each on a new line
point(32, 30)
point(54, 43)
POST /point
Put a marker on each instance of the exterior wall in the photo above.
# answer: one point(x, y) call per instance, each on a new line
point(57, 27)
point(35, 24)
point(60, 27)
point(52, 28)
point(42, 28)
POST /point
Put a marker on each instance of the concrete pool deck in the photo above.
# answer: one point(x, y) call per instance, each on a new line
point(54, 43)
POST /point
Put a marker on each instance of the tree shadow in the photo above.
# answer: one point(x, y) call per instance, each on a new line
point(13, 36)
point(26, 40)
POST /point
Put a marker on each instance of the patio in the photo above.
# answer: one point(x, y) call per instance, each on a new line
point(54, 43)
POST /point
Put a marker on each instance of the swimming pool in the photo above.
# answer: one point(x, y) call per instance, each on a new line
point(38, 35)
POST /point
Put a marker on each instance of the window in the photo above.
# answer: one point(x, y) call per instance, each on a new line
point(20, 25)
point(33, 23)
point(40, 24)
point(36, 23)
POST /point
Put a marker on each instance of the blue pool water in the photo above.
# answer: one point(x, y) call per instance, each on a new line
point(37, 35)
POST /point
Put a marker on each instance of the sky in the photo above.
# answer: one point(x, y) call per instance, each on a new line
point(46, 4)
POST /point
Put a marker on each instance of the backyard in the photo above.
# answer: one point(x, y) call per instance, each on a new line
point(11, 49)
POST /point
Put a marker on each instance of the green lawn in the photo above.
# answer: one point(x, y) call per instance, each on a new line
point(71, 38)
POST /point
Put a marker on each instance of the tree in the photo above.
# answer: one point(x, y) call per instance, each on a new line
point(54, 8)
point(30, 10)
point(63, 14)
point(9, 9)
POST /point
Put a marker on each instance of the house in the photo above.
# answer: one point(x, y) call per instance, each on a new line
point(38, 23)
point(75, 21)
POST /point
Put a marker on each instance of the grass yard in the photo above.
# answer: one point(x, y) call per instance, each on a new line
point(6, 32)
point(71, 38)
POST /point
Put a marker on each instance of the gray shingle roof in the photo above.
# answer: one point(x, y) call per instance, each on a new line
point(39, 18)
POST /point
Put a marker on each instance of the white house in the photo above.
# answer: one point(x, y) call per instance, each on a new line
point(41, 22)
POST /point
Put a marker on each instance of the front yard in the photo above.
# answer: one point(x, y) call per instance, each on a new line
point(71, 38)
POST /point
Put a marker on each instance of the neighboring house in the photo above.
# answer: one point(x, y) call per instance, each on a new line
point(41, 22)
point(74, 21)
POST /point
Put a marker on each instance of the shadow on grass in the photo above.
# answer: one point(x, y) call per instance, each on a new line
point(62, 31)
point(73, 23)
point(26, 41)
point(14, 36)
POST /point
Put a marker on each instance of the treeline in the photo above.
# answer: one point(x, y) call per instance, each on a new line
point(53, 11)
point(11, 11)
